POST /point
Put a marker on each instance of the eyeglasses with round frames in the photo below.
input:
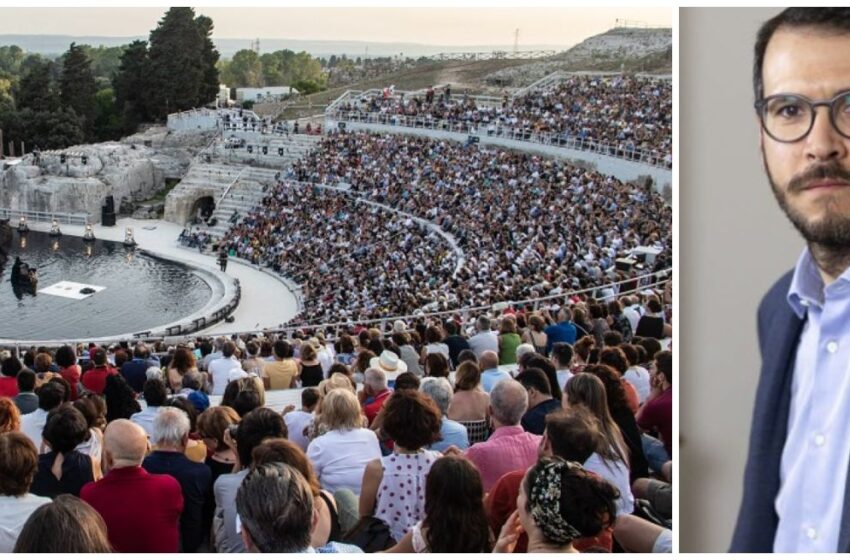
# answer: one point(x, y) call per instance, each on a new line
point(789, 117)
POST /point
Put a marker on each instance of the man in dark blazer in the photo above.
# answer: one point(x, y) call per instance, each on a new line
point(796, 496)
point(169, 438)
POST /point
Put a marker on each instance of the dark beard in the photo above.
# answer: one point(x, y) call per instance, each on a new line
point(829, 239)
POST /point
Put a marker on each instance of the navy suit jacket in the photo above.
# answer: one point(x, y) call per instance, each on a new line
point(779, 331)
point(196, 483)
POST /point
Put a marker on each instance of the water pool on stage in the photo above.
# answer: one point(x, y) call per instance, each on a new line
point(142, 291)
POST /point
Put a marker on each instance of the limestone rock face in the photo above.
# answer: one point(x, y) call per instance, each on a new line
point(133, 169)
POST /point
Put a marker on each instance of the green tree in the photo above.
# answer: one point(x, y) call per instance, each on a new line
point(245, 70)
point(210, 81)
point(77, 87)
point(176, 64)
point(108, 124)
point(130, 86)
point(35, 90)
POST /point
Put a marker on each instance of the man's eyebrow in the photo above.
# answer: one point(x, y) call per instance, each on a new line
point(835, 93)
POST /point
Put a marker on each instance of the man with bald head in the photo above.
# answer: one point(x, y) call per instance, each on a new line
point(490, 372)
point(141, 510)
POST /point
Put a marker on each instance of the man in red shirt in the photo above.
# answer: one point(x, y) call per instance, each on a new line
point(375, 391)
point(94, 380)
point(8, 377)
point(141, 510)
point(656, 414)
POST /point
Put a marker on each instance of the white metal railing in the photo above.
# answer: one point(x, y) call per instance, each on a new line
point(227, 189)
point(650, 281)
point(76, 219)
point(644, 282)
point(491, 130)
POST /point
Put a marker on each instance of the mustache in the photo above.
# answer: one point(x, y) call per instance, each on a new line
point(832, 171)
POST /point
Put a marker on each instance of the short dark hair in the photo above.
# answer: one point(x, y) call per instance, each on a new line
point(11, 366)
point(282, 349)
point(310, 397)
point(98, 356)
point(573, 433)
point(562, 352)
point(228, 349)
point(50, 395)
point(612, 338)
point(18, 463)
point(835, 19)
point(26, 380)
point(651, 346)
point(406, 380)
point(155, 392)
point(411, 419)
point(256, 426)
point(246, 401)
point(66, 356)
point(534, 378)
point(466, 356)
point(545, 365)
point(66, 428)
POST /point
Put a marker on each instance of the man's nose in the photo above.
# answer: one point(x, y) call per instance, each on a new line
point(824, 142)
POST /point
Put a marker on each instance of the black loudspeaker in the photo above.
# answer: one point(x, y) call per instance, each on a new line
point(109, 204)
point(265, 150)
point(107, 218)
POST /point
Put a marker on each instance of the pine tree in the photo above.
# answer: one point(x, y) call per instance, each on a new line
point(131, 86)
point(176, 65)
point(208, 89)
point(36, 91)
point(78, 89)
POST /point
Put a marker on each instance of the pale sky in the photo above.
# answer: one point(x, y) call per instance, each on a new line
point(437, 26)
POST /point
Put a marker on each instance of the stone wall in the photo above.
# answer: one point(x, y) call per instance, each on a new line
point(133, 169)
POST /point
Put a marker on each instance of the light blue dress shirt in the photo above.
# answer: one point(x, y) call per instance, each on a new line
point(813, 470)
point(490, 377)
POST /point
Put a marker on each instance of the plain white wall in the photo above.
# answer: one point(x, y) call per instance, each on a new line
point(735, 242)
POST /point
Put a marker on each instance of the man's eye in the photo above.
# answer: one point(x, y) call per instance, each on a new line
point(787, 110)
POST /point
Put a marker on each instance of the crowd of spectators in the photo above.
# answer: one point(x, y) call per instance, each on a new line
point(625, 112)
point(522, 226)
point(508, 447)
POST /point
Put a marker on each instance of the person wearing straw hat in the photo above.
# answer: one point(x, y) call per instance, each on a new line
point(390, 364)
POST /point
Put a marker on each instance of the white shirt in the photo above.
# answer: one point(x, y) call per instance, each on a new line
point(296, 421)
point(633, 314)
point(340, 457)
point(220, 370)
point(564, 375)
point(639, 379)
point(616, 473)
point(14, 512)
point(32, 425)
point(483, 341)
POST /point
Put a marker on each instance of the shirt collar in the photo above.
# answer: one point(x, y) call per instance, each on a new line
point(807, 288)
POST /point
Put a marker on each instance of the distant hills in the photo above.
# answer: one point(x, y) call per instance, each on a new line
point(57, 44)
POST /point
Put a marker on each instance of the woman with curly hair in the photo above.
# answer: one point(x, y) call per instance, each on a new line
point(455, 520)
point(10, 417)
point(393, 488)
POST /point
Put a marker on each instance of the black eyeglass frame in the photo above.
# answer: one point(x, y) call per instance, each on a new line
point(762, 103)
